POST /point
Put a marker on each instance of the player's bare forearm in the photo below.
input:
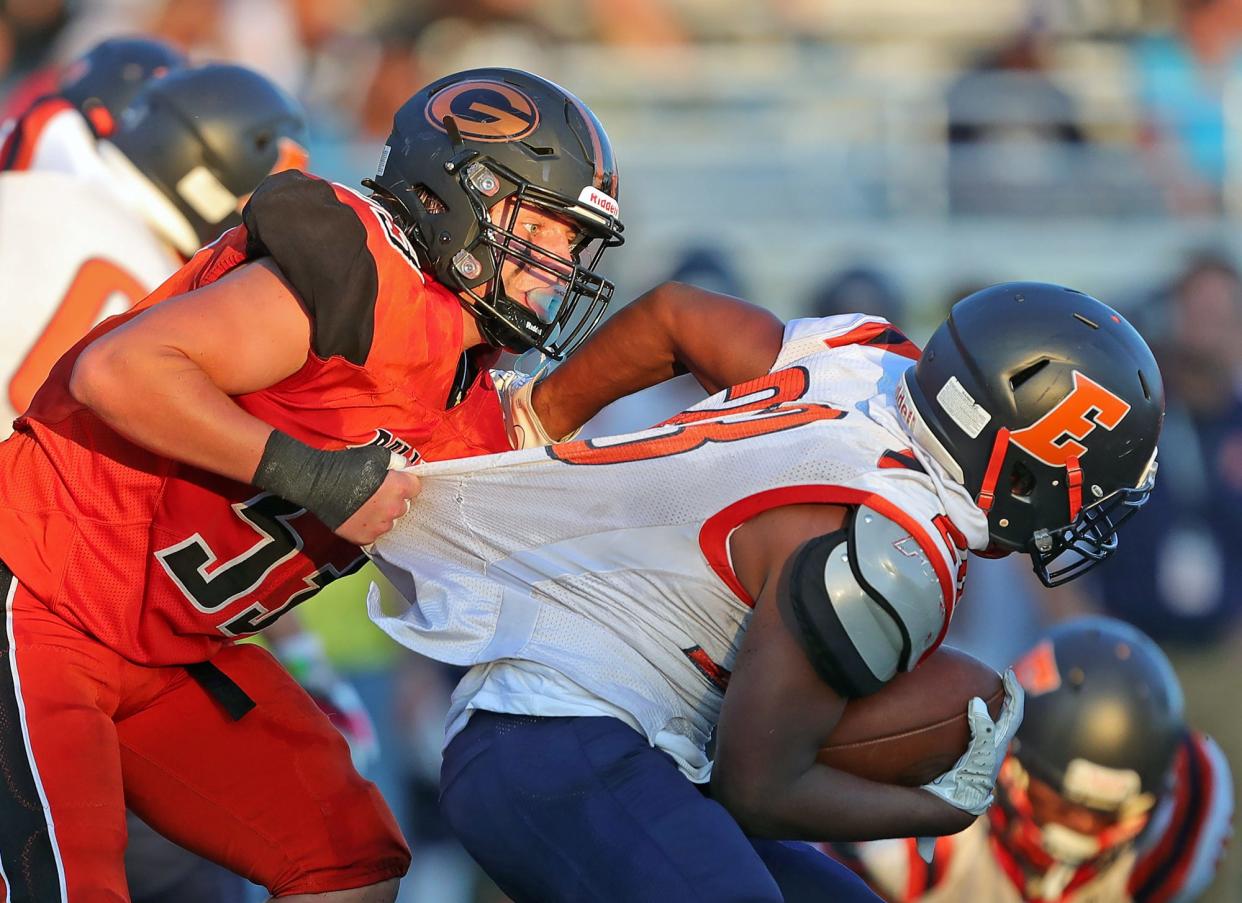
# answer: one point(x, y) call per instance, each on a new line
point(172, 409)
point(777, 715)
point(823, 804)
point(672, 329)
point(164, 379)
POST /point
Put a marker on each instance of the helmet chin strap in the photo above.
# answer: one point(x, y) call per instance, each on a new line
point(141, 195)
point(987, 491)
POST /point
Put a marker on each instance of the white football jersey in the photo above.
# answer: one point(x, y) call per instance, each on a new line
point(65, 143)
point(69, 257)
point(607, 561)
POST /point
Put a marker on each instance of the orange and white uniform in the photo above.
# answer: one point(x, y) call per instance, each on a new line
point(594, 577)
point(52, 135)
point(70, 256)
point(1172, 861)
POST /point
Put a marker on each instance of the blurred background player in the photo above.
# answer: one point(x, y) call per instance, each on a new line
point(58, 132)
point(1106, 794)
point(75, 248)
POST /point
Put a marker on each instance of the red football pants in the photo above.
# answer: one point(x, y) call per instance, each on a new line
point(83, 733)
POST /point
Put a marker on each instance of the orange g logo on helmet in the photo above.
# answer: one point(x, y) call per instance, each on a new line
point(1057, 436)
point(484, 111)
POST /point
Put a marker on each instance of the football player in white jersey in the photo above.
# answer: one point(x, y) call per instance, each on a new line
point(1106, 796)
point(60, 132)
point(799, 538)
point(75, 248)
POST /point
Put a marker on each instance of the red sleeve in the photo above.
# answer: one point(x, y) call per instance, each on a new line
point(1192, 825)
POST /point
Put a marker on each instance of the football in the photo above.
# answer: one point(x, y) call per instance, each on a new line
point(915, 728)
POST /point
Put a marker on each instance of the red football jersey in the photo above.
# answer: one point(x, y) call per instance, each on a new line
point(164, 562)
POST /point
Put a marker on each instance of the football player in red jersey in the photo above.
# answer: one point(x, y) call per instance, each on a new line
point(195, 467)
point(58, 132)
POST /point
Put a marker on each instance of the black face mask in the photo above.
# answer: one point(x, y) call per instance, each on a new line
point(1059, 556)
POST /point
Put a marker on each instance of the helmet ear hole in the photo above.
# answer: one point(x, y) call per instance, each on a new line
point(1025, 374)
point(431, 201)
point(1021, 482)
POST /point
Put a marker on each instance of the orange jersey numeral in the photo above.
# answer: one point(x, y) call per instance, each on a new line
point(755, 408)
point(95, 282)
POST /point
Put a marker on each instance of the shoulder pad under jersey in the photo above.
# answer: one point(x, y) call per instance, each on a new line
point(867, 602)
point(1182, 846)
point(320, 242)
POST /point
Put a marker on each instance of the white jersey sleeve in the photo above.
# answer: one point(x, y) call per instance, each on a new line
point(1180, 852)
point(811, 336)
point(59, 140)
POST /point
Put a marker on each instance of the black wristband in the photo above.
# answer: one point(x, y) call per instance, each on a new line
point(331, 485)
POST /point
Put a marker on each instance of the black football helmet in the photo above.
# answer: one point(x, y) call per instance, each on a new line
point(471, 140)
point(206, 137)
point(1046, 404)
point(1102, 728)
point(103, 81)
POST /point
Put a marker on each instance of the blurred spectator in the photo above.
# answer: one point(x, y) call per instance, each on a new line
point(709, 267)
point(1177, 574)
point(27, 29)
point(859, 289)
point(1184, 82)
point(397, 66)
point(1013, 134)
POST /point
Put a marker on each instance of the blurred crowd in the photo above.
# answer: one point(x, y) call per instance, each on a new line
point(820, 158)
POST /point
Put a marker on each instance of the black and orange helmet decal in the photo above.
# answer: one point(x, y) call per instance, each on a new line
point(484, 111)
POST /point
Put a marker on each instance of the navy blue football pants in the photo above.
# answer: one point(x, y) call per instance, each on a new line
point(583, 809)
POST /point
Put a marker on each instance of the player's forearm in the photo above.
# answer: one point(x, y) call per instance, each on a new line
point(669, 330)
point(163, 402)
point(824, 804)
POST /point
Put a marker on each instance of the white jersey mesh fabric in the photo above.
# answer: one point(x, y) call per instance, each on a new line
point(68, 250)
point(607, 560)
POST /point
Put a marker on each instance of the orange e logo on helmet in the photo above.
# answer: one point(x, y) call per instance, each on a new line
point(484, 111)
point(1057, 436)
